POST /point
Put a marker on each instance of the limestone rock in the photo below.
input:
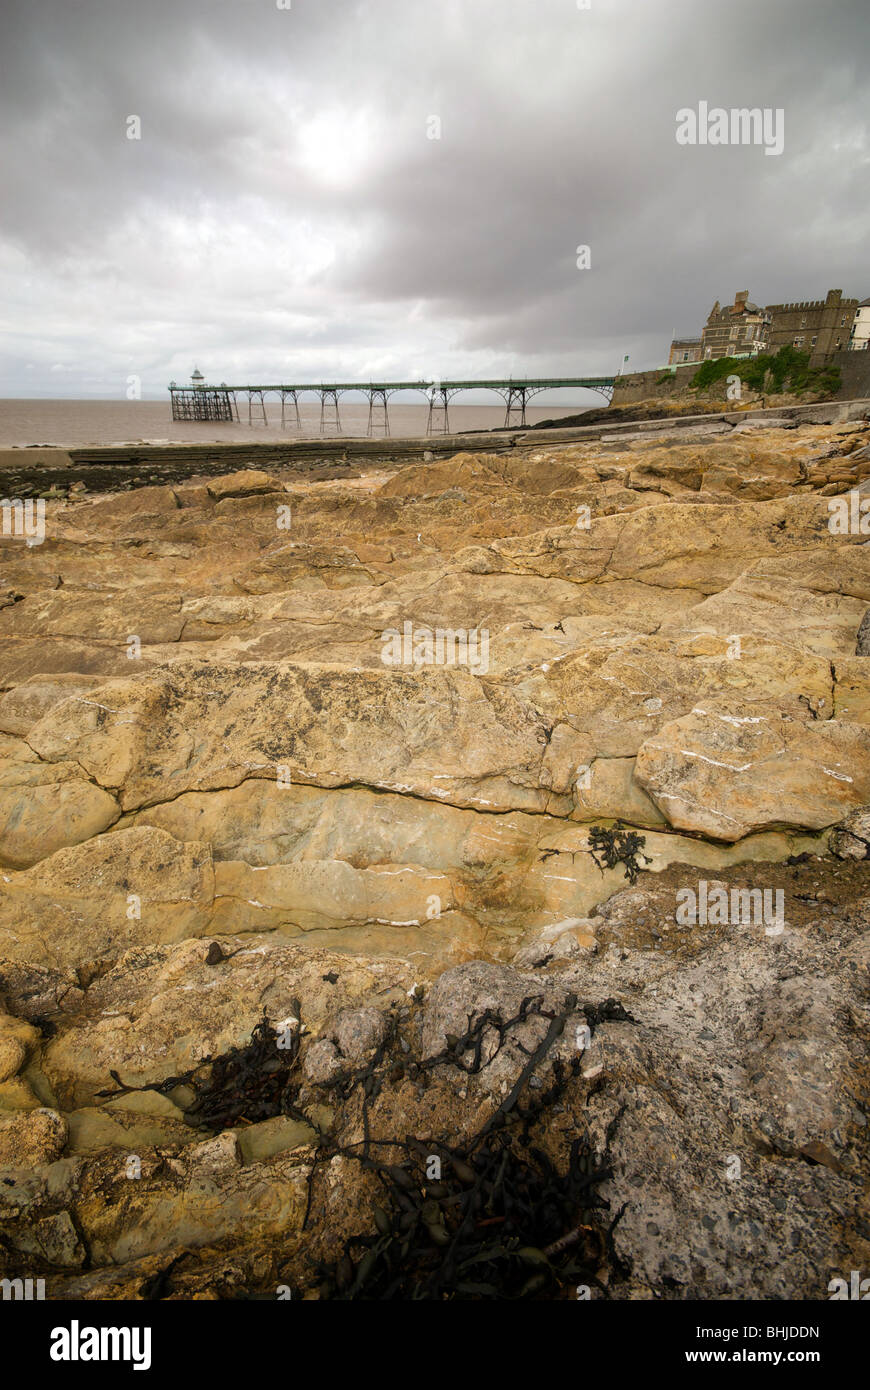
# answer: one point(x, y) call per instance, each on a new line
point(46, 807)
point(724, 774)
point(150, 888)
point(12, 1056)
point(569, 939)
point(31, 1137)
point(22, 706)
point(465, 993)
point(248, 482)
point(346, 1042)
point(147, 501)
point(161, 1009)
point(128, 1130)
point(851, 838)
point(124, 1221)
point(221, 1154)
point(281, 1135)
point(19, 1044)
point(53, 1239)
point(321, 892)
point(218, 802)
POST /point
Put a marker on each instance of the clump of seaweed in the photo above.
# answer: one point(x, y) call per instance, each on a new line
point(242, 1086)
point(618, 846)
point(500, 1223)
point(494, 1218)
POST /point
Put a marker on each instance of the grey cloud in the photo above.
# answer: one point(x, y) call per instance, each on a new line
point(285, 212)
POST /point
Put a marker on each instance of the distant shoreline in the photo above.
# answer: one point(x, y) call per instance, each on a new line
point(42, 422)
point(41, 470)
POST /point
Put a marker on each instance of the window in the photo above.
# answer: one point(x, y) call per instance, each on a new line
point(843, 321)
point(799, 342)
point(685, 357)
point(815, 339)
point(803, 321)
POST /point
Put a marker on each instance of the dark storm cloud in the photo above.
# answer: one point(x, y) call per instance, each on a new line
point(286, 215)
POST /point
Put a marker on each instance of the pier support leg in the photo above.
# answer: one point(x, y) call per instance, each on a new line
point(202, 403)
point(330, 420)
point(439, 402)
point(293, 398)
point(515, 406)
point(379, 419)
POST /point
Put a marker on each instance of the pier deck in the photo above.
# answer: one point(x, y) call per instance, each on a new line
point(202, 402)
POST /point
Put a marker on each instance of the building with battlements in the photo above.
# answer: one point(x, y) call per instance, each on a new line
point(742, 329)
point(817, 326)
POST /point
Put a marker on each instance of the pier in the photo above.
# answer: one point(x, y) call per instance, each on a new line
point(200, 401)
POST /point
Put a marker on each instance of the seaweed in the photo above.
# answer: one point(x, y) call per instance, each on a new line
point(618, 846)
point(500, 1221)
point(495, 1218)
point(158, 1286)
point(241, 1086)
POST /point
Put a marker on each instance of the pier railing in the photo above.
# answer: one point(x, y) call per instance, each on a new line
point(203, 402)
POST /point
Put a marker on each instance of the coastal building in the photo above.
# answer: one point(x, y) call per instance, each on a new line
point(743, 329)
point(739, 330)
point(685, 350)
point(817, 326)
point(860, 338)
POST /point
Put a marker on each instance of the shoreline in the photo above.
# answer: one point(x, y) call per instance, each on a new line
point(28, 470)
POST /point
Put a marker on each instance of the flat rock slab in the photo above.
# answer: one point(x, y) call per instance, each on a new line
point(723, 773)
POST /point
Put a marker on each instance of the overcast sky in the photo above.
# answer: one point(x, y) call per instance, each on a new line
point(286, 215)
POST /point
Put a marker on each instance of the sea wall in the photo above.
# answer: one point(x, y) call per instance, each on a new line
point(662, 383)
point(659, 382)
point(854, 373)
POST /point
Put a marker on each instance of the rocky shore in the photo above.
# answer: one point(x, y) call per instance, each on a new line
point(412, 769)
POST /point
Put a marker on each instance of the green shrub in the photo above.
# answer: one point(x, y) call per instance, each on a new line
point(786, 370)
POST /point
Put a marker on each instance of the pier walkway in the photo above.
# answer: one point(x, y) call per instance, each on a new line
point(205, 402)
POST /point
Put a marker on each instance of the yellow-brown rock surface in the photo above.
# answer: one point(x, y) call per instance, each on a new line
point(206, 661)
point(333, 753)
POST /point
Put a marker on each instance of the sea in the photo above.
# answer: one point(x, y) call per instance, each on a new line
point(85, 422)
